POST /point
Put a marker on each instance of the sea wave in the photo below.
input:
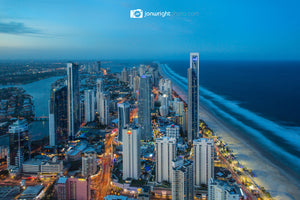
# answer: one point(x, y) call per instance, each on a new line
point(289, 135)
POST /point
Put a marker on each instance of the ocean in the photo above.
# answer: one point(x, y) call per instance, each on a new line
point(260, 100)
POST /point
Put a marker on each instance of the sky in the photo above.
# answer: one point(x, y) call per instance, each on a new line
point(103, 29)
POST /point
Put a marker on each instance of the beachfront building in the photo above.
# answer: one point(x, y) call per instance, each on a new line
point(221, 190)
point(182, 180)
point(73, 99)
point(203, 161)
point(165, 154)
point(193, 97)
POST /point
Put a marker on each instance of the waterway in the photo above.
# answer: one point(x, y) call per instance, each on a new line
point(40, 91)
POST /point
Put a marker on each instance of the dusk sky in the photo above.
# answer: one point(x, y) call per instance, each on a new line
point(97, 29)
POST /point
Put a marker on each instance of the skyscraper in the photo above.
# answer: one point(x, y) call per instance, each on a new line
point(99, 90)
point(19, 144)
point(73, 99)
point(182, 180)
point(58, 114)
point(124, 75)
point(123, 116)
point(104, 108)
point(165, 153)
point(203, 160)
point(193, 97)
point(131, 152)
point(144, 107)
point(89, 106)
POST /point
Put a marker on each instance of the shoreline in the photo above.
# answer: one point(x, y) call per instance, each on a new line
point(268, 174)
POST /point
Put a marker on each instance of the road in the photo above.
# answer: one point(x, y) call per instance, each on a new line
point(235, 176)
point(101, 181)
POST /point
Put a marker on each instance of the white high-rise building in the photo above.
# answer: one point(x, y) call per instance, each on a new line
point(203, 160)
point(193, 97)
point(104, 108)
point(73, 99)
point(165, 86)
point(89, 106)
point(123, 117)
point(89, 164)
point(182, 180)
point(165, 153)
point(152, 101)
point(164, 108)
point(99, 90)
point(131, 152)
point(172, 131)
point(220, 190)
point(178, 106)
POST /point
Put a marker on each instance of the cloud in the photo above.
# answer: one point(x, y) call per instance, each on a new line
point(17, 28)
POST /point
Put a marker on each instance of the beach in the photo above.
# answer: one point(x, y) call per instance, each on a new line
point(278, 181)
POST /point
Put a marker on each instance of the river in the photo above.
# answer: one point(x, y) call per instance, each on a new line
point(40, 91)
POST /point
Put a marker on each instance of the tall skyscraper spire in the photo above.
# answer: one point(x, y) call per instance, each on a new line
point(193, 97)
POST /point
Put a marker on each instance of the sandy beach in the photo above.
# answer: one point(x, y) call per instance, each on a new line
point(275, 180)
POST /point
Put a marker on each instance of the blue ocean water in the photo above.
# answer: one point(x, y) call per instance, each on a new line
point(260, 98)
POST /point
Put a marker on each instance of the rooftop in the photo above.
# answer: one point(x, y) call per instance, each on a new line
point(62, 180)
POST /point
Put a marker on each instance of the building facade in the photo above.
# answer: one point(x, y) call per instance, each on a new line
point(182, 180)
point(131, 152)
point(165, 153)
point(203, 161)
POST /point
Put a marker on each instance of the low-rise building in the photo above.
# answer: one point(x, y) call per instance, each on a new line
point(31, 192)
point(221, 190)
point(73, 188)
